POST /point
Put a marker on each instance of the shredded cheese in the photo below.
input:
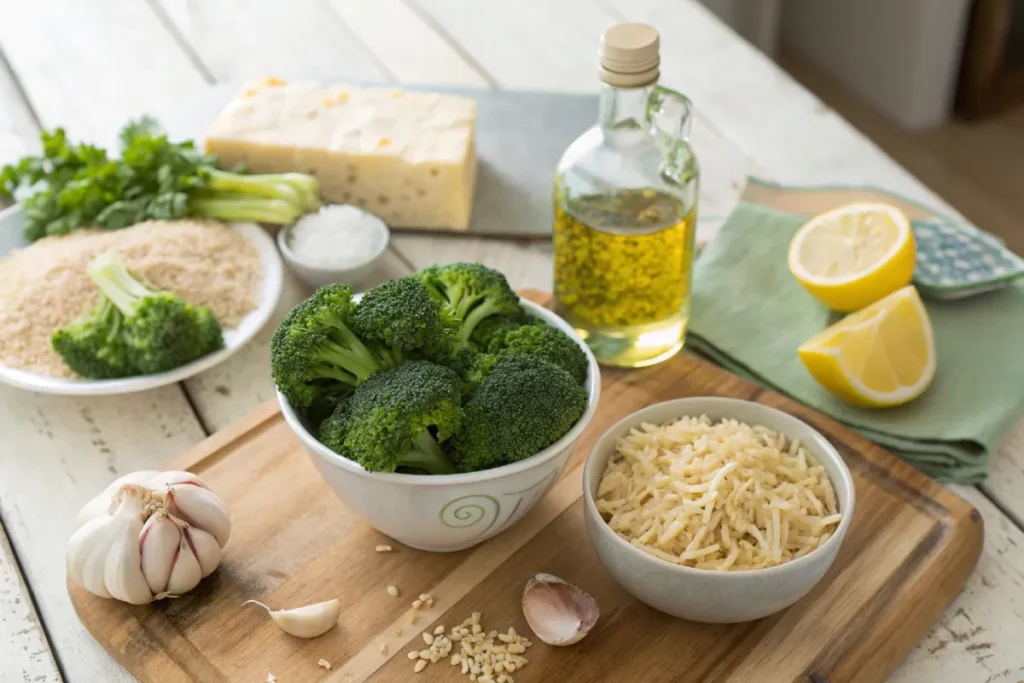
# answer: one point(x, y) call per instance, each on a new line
point(720, 496)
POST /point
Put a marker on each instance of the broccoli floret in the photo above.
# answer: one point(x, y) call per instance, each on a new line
point(469, 293)
point(548, 342)
point(93, 346)
point(402, 315)
point(471, 366)
point(161, 331)
point(523, 406)
point(492, 330)
point(315, 354)
point(397, 418)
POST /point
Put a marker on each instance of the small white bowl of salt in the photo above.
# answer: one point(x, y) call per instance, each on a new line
point(338, 243)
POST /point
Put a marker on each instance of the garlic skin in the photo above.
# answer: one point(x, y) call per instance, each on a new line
point(308, 621)
point(148, 536)
point(558, 612)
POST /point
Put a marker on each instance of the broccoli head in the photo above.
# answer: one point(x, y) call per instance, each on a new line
point(523, 406)
point(402, 315)
point(315, 354)
point(469, 293)
point(161, 331)
point(93, 345)
point(492, 330)
point(397, 418)
point(548, 342)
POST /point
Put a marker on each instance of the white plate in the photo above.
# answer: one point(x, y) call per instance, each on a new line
point(11, 223)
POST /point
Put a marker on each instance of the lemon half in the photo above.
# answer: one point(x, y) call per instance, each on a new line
point(883, 355)
point(853, 255)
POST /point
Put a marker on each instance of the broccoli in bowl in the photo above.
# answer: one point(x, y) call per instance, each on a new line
point(464, 378)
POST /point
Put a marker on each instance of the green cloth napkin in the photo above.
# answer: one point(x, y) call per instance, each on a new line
point(749, 315)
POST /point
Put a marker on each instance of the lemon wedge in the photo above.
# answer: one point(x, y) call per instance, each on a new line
point(882, 355)
point(853, 255)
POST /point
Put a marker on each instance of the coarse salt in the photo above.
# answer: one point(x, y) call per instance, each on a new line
point(337, 236)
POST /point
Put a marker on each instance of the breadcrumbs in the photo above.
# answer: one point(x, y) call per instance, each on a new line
point(44, 286)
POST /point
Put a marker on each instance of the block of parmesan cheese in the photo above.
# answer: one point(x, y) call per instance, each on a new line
point(406, 156)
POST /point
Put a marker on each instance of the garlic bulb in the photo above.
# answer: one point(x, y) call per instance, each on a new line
point(148, 536)
point(558, 612)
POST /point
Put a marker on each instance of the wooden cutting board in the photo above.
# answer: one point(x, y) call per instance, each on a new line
point(909, 550)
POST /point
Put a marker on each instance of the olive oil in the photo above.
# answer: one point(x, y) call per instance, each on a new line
point(625, 197)
point(622, 272)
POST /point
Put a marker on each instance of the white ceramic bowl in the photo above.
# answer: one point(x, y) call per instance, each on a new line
point(455, 511)
point(704, 595)
point(318, 276)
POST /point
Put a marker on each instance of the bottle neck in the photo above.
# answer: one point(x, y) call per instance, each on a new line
point(623, 111)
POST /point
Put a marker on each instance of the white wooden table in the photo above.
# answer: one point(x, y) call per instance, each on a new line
point(90, 65)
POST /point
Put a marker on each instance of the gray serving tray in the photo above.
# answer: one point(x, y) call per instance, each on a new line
point(520, 138)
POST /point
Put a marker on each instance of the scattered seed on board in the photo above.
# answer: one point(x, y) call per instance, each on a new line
point(485, 656)
point(271, 678)
point(416, 604)
point(427, 638)
point(420, 666)
point(392, 591)
point(383, 549)
point(324, 663)
point(384, 649)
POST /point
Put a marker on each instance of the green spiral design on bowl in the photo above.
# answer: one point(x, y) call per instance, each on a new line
point(467, 511)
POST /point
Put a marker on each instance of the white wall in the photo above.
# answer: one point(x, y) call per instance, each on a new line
point(756, 20)
point(900, 55)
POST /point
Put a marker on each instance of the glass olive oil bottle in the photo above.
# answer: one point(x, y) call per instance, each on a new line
point(625, 211)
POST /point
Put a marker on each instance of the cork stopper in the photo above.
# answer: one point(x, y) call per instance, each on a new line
point(629, 55)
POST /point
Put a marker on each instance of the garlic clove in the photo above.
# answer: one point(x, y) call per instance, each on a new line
point(205, 547)
point(185, 573)
point(159, 542)
point(558, 612)
point(308, 621)
point(98, 506)
point(123, 563)
point(87, 552)
point(200, 507)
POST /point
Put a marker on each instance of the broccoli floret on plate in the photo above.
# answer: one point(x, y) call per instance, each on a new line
point(160, 330)
point(469, 293)
point(93, 345)
point(523, 406)
point(314, 352)
point(398, 419)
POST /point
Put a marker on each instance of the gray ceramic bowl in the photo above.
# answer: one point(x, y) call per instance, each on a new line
point(318, 276)
point(699, 594)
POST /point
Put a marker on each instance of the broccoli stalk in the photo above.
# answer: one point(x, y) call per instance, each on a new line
point(397, 419)
point(276, 198)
